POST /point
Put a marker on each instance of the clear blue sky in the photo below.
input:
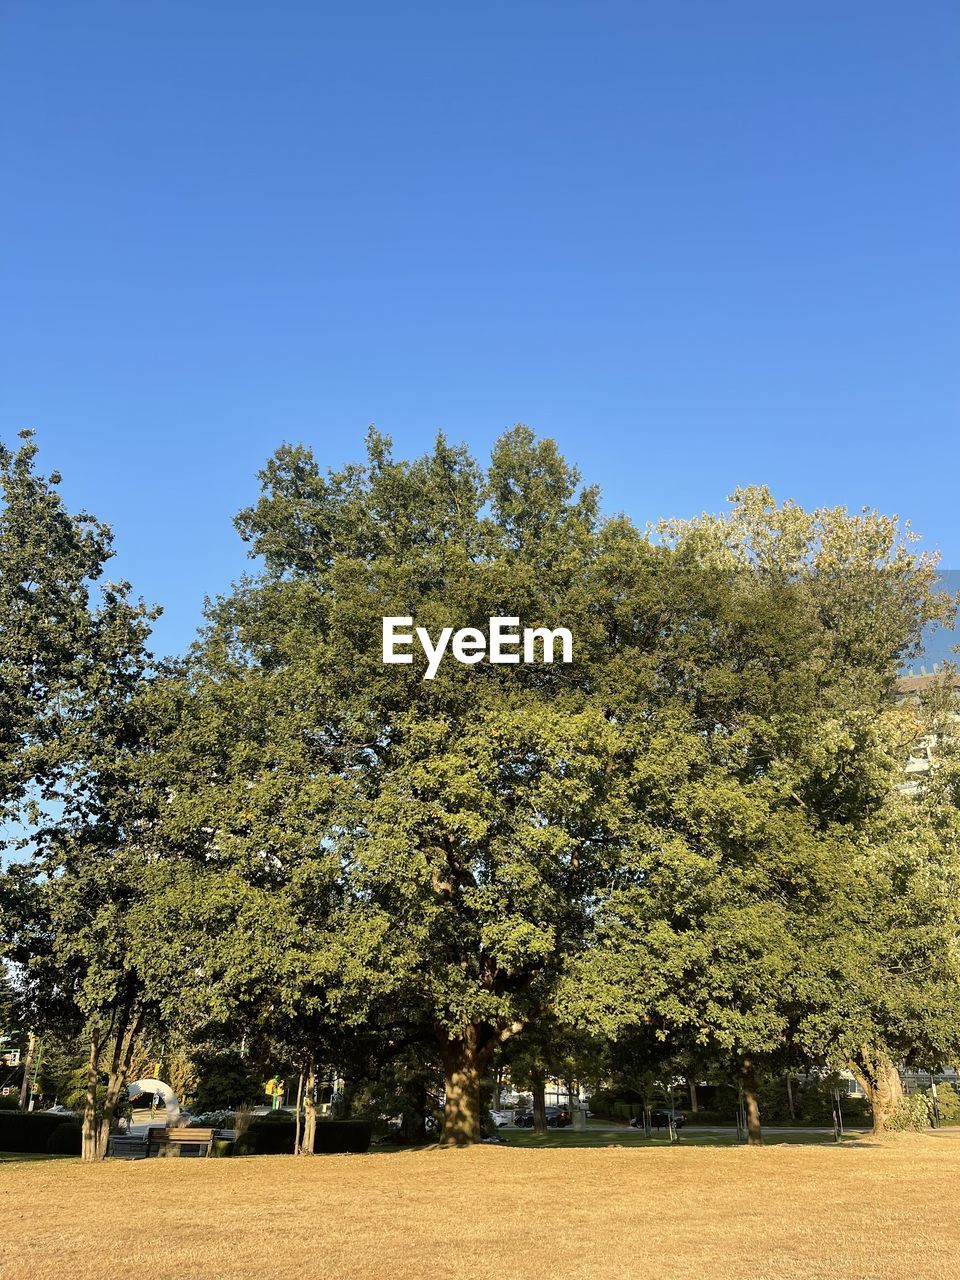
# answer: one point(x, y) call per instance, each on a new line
point(700, 244)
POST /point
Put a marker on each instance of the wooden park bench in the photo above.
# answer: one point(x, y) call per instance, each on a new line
point(161, 1141)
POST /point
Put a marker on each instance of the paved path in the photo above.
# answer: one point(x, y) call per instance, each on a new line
point(709, 1128)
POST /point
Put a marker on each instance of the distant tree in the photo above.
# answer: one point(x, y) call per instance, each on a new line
point(885, 989)
point(225, 1081)
point(549, 1050)
point(766, 770)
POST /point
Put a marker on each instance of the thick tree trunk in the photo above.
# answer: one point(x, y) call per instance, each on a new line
point(692, 1090)
point(748, 1082)
point(880, 1081)
point(462, 1069)
point(114, 1090)
point(90, 1137)
point(790, 1107)
point(539, 1102)
point(465, 1058)
point(119, 1071)
point(98, 1123)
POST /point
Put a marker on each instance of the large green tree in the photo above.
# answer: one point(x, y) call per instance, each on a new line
point(441, 842)
point(73, 671)
point(884, 961)
point(768, 766)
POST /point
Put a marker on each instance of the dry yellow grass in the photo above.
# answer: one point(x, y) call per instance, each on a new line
point(777, 1213)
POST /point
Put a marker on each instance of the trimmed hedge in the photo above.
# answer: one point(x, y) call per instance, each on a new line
point(274, 1117)
point(342, 1137)
point(27, 1131)
point(66, 1139)
point(333, 1137)
point(706, 1116)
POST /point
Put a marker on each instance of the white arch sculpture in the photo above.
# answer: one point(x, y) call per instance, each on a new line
point(170, 1099)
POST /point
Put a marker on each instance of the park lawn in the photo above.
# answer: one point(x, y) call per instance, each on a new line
point(627, 1137)
point(14, 1157)
point(855, 1211)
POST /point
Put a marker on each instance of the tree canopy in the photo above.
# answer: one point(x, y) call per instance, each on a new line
point(693, 835)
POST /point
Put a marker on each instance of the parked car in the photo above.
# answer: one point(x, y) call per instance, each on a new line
point(556, 1117)
point(500, 1118)
point(660, 1118)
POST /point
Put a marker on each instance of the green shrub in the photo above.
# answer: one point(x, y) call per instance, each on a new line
point(625, 1104)
point(221, 1148)
point(948, 1103)
point(66, 1139)
point(246, 1144)
point(274, 1117)
point(719, 1100)
point(854, 1108)
point(214, 1120)
point(774, 1100)
point(601, 1103)
point(814, 1098)
point(914, 1112)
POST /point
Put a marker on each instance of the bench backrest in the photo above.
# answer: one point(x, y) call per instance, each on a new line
point(190, 1135)
point(182, 1135)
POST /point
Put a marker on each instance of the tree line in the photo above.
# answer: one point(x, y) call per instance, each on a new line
point(687, 850)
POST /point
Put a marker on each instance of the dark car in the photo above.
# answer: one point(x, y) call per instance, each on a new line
point(660, 1118)
point(556, 1117)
